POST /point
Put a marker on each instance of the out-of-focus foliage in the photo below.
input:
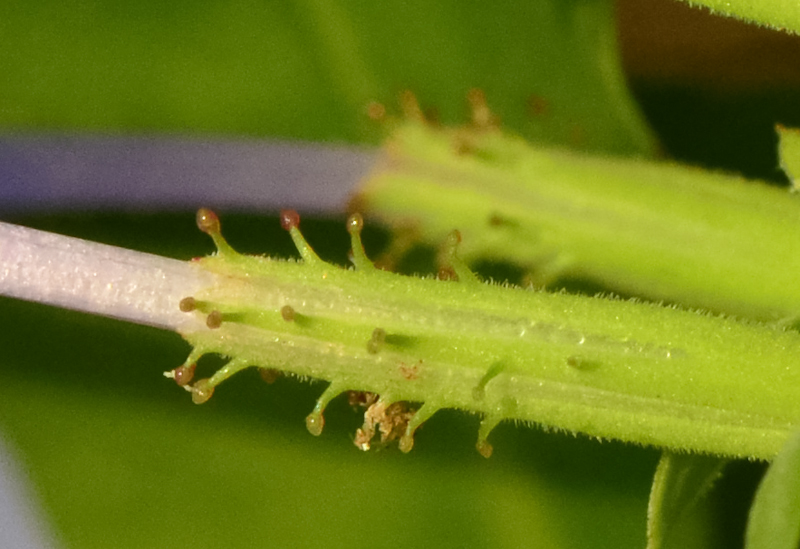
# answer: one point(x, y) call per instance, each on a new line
point(308, 70)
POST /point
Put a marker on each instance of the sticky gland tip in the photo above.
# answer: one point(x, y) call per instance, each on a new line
point(290, 219)
point(446, 273)
point(315, 423)
point(201, 391)
point(454, 238)
point(214, 320)
point(183, 374)
point(376, 341)
point(484, 448)
point(207, 221)
point(406, 443)
point(269, 375)
point(355, 223)
point(288, 313)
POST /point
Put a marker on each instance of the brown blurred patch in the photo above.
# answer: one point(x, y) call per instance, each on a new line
point(668, 42)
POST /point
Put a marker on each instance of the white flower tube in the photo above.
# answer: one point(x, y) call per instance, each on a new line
point(97, 278)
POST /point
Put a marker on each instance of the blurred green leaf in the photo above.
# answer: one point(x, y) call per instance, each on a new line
point(309, 69)
point(774, 521)
point(680, 483)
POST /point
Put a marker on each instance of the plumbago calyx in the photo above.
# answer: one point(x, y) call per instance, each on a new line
point(657, 230)
point(406, 347)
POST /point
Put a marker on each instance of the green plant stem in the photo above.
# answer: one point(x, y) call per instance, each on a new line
point(656, 230)
point(608, 368)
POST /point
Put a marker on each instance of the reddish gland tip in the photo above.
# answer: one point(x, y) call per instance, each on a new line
point(289, 219)
point(207, 221)
point(183, 374)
